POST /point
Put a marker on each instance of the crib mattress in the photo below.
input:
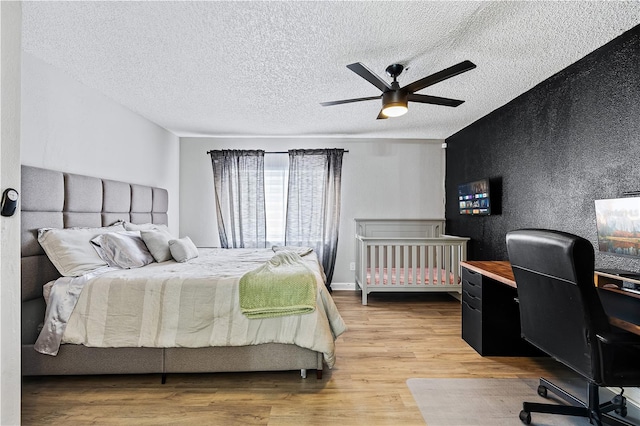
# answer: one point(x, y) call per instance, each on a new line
point(431, 277)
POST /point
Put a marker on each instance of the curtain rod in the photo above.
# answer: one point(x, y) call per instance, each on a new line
point(274, 152)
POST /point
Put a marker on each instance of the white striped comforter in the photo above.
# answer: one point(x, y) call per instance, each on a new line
point(194, 304)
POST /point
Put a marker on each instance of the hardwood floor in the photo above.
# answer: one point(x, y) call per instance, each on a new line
point(396, 337)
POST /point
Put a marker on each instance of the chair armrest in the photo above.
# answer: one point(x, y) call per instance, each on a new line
point(618, 338)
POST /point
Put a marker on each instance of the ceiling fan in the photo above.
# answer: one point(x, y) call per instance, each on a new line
point(394, 97)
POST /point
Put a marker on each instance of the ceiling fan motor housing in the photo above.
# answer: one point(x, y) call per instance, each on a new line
point(394, 97)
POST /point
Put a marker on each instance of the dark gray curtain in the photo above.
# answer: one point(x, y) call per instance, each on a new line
point(238, 178)
point(313, 204)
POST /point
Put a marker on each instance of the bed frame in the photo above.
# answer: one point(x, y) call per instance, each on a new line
point(407, 255)
point(62, 200)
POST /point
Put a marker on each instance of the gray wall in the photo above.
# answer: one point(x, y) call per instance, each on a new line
point(555, 149)
point(381, 178)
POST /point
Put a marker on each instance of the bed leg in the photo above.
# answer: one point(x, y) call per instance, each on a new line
point(319, 374)
point(164, 378)
point(303, 373)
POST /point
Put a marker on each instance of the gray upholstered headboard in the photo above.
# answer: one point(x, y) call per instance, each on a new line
point(52, 199)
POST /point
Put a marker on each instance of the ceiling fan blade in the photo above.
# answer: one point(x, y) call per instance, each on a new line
point(347, 101)
point(435, 100)
point(439, 76)
point(381, 116)
point(368, 75)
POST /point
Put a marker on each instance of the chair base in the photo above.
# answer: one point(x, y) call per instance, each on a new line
point(596, 413)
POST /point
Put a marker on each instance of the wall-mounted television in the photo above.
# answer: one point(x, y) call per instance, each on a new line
point(474, 198)
point(618, 226)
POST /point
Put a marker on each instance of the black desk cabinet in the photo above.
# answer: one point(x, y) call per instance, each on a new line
point(491, 317)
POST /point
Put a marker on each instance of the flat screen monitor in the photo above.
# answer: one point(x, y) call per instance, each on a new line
point(474, 198)
point(618, 226)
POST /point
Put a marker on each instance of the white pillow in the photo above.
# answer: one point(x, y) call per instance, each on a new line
point(145, 227)
point(70, 249)
point(123, 249)
point(157, 242)
point(183, 249)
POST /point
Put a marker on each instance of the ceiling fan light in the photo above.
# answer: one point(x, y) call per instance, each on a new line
point(394, 103)
point(395, 109)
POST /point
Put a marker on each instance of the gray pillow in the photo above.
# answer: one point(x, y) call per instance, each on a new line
point(183, 249)
point(123, 249)
point(157, 242)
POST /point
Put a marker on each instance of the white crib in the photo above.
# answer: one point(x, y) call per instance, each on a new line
point(407, 255)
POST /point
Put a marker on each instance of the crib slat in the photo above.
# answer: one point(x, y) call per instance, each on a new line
point(396, 263)
point(414, 263)
point(455, 261)
point(441, 264)
point(433, 262)
point(379, 275)
point(423, 263)
point(381, 264)
point(446, 263)
point(372, 265)
point(432, 265)
point(388, 264)
point(404, 274)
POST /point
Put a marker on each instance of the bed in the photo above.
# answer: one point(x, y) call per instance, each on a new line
point(56, 202)
point(394, 255)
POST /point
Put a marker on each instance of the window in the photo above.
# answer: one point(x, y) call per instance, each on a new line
point(276, 178)
point(256, 201)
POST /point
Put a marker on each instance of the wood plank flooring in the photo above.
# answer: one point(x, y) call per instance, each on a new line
point(396, 337)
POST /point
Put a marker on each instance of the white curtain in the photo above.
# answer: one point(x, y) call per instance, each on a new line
point(238, 178)
point(313, 203)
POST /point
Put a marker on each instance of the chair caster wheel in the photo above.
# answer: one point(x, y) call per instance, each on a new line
point(542, 391)
point(622, 412)
point(525, 417)
point(621, 402)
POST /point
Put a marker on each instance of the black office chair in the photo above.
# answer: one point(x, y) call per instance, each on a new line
point(561, 314)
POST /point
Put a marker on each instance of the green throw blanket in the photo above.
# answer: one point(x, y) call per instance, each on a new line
point(282, 286)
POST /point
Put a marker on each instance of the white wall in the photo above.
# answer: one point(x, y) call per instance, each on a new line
point(70, 127)
point(382, 178)
point(11, 29)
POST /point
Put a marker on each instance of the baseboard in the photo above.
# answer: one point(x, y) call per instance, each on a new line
point(343, 286)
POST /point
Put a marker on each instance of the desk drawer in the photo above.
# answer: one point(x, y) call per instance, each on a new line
point(472, 326)
point(472, 277)
point(474, 290)
point(471, 299)
point(472, 283)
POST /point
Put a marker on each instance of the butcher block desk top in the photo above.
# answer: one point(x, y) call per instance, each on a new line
point(499, 270)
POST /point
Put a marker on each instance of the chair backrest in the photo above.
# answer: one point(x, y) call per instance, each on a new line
point(560, 311)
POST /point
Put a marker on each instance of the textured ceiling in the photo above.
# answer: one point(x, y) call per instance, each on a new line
point(262, 68)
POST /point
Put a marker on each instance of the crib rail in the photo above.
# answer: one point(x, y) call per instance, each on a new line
point(409, 264)
point(400, 228)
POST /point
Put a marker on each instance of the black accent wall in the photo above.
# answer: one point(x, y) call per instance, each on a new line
point(552, 151)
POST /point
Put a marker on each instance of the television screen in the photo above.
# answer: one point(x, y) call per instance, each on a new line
point(473, 198)
point(618, 226)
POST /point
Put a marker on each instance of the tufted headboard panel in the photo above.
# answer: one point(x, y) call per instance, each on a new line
point(52, 199)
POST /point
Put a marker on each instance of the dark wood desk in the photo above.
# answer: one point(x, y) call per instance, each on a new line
point(622, 307)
